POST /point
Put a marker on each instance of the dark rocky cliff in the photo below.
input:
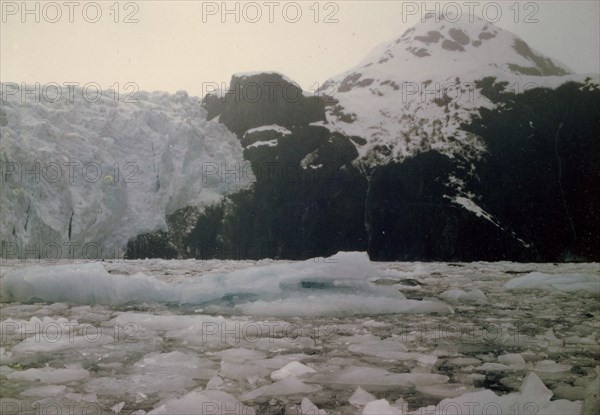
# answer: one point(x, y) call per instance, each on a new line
point(538, 182)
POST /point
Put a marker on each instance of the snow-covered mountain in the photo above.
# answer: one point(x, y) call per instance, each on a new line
point(102, 172)
point(413, 93)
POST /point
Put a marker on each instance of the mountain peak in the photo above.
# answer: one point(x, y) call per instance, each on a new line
point(420, 87)
point(439, 44)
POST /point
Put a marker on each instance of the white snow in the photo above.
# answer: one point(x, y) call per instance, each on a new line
point(396, 98)
point(468, 203)
point(269, 143)
point(274, 127)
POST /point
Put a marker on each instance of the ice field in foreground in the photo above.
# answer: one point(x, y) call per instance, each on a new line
point(338, 285)
point(339, 335)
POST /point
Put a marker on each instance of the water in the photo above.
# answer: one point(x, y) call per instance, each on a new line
point(148, 354)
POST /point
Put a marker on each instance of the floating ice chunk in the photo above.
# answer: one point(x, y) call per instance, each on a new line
point(591, 404)
point(309, 408)
point(45, 391)
point(156, 372)
point(460, 296)
point(445, 390)
point(550, 366)
point(472, 403)
point(240, 371)
point(287, 386)
point(549, 370)
point(380, 407)
point(47, 344)
point(373, 323)
point(512, 359)
point(341, 305)
point(277, 362)
point(338, 285)
point(175, 364)
point(296, 369)
point(51, 375)
point(562, 406)
point(118, 407)
point(85, 397)
point(204, 402)
point(496, 367)
point(240, 355)
point(376, 377)
point(571, 393)
point(550, 282)
point(86, 283)
point(361, 397)
point(6, 357)
point(533, 395)
point(464, 361)
point(214, 383)
point(391, 349)
point(52, 328)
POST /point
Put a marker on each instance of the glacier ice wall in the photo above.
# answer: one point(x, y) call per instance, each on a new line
point(81, 176)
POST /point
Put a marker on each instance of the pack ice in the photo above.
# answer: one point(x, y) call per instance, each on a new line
point(338, 285)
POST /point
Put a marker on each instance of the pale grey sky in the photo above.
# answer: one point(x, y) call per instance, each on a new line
point(171, 48)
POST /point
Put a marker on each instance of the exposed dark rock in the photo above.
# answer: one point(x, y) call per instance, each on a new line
point(544, 66)
point(433, 36)
point(486, 35)
point(451, 45)
point(364, 82)
point(418, 52)
point(459, 36)
point(264, 99)
point(152, 245)
point(348, 82)
point(542, 175)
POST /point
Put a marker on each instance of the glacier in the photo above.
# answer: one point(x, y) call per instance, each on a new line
point(81, 176)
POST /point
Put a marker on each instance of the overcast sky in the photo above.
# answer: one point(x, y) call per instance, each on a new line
point(177, 45)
